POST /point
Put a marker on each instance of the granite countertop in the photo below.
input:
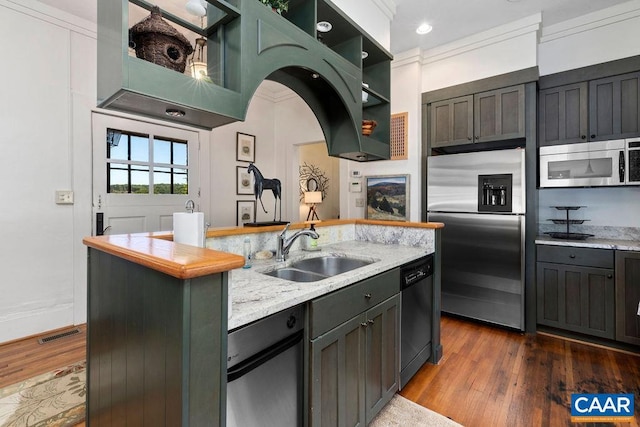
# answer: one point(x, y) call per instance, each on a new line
point(623, 245)
point(255, 295)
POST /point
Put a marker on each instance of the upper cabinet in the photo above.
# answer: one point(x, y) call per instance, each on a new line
point(242, 43)
point(563, 114)
point(614, 107)
point(575, 108)
point(482, 117)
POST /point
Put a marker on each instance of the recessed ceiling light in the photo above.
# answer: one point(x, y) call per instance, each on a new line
point(424, 29)
point(324, 26)
point(172, 112)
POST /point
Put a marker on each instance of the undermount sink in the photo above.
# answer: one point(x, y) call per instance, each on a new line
point(295, 275)
point(329, 265)
point(314, 269)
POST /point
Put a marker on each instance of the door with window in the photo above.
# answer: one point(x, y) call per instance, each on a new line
point(142, 174)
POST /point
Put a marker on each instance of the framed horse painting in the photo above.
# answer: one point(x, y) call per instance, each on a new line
point(245, 147)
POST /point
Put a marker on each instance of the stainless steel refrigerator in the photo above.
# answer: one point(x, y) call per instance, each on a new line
point(480, 197)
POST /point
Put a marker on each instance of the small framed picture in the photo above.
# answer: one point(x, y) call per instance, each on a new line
point(243, 181)
point(245, 147)
point(387, 197)
point(245, 211)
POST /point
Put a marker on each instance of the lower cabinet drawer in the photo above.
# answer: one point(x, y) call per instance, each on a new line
point(331, 310)
point(588, 257)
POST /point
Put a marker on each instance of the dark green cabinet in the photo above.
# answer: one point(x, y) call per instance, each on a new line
point(247, 43)
point(575, 290)
point(482, 117)
point(614, 107)
point(156, 346)
point(452, 122)
point(499, 114)
point(628, 297)
point(594, 110)
point(354, 351)
point(563, 114)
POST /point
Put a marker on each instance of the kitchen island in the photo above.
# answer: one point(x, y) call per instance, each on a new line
point(158, 311)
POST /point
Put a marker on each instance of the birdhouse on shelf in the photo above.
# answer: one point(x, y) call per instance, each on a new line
point(156, 41)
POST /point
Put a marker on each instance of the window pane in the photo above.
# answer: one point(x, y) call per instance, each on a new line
point(180, 181)
point(162, 180)
point(120, 151)
point(139, 148)
point(161, 151)
point(118, 178)
point(180, 153)
point(140, 179)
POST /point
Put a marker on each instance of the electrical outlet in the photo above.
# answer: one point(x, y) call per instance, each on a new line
point(64, 197)
point(360, 202)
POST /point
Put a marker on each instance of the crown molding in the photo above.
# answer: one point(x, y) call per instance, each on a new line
point(406, 58)
point(486, 38)
point(591, 21)
point(52, 15)
point(387, 7)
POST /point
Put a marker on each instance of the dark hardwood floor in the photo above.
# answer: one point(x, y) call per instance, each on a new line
point(490, 376)
point(487, 377)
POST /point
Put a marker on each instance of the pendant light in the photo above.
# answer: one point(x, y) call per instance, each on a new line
point(198, 66)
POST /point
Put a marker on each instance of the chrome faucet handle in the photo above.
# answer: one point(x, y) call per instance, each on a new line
point(286, 227)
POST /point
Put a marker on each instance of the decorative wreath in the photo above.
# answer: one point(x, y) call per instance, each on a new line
point(312, 178)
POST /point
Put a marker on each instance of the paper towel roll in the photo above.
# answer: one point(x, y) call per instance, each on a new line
point(188, 228)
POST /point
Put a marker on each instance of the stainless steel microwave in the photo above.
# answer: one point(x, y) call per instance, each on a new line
point(591, 164)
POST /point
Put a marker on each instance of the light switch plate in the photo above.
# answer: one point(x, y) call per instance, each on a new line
point(64, 197)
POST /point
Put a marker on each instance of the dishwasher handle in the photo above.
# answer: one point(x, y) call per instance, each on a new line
point(264, 356)
point(415, 275)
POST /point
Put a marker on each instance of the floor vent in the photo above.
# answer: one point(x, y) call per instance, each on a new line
point(50, 338)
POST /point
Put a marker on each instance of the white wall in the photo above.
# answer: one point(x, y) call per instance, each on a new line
point(222, 147)
point(503, 49)
point(48, 90)
point(594, 38)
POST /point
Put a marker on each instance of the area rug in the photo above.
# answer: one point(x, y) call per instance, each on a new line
point(57, 399)
point(54, 399)
point(402, 412)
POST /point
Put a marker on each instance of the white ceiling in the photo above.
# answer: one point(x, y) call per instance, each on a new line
point(451, 19)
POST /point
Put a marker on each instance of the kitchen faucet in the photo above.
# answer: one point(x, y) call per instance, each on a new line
point(284, 243)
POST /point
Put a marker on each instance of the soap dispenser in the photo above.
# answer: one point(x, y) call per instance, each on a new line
point(247, 253)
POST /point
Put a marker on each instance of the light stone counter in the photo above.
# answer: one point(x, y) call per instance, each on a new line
point(255, 295)
point(621, 245)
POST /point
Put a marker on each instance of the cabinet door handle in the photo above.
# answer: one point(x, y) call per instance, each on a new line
point(364, 324)
point(583, 136)
point(367, 296)
point(609, 276)
point(371, 321)
point(593, 136)
point(572, 256)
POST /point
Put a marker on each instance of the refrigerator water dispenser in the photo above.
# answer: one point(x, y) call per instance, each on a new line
point(495, 193)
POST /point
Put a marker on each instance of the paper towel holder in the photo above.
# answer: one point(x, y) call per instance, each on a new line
point(189, 206)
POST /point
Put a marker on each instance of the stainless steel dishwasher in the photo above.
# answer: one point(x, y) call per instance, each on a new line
point(265, 371)
point(416, 316)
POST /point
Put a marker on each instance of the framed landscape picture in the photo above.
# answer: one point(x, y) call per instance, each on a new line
point(245, 147)
point(387, 197)
point(243, 181)
point(245, 211)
